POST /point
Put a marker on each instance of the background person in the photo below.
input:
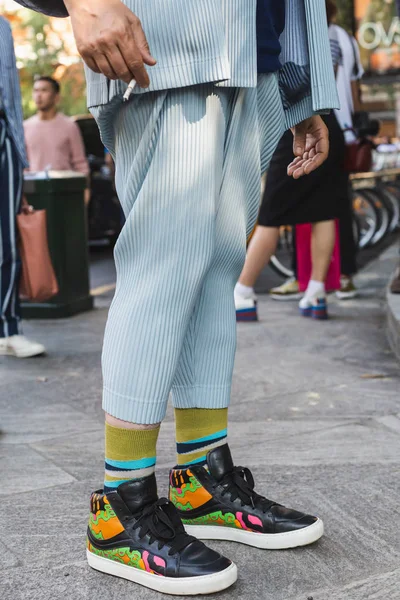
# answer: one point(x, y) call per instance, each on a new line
point(53, 140)
point(314, 199)
point(12, 162)
point(349, 72)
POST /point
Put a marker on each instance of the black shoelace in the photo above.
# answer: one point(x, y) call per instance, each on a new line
point(161, 521)
point(239, 483)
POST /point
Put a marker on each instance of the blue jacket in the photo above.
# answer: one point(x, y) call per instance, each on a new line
point(10, 93)
point(202, 41)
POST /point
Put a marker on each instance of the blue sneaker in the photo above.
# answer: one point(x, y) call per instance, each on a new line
point(316, 308)
point(246, 309)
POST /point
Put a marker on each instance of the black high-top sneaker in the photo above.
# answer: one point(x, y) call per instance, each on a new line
point(134, 535)
point(220, 504)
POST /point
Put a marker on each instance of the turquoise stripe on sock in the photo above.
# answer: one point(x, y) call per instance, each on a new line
point(131, 465)
point(213, 436)
point(202, 459)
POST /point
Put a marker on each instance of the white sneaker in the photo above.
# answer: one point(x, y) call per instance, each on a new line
point(246, 308)
point(20, 347)
point(287, 291)
point(347, 288)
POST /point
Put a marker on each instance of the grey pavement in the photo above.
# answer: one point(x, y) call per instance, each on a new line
point(315, 414)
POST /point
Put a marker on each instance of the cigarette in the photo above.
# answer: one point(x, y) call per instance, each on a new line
point(130, 89)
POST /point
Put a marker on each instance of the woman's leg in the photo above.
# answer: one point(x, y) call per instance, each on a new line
point(261, 248)
point(322, 244)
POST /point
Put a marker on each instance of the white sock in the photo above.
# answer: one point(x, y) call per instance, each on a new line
point(244, 291)
point(315, 289)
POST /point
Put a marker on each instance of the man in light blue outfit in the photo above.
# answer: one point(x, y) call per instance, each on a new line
point(190, 146)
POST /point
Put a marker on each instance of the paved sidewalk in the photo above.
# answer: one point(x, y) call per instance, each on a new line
point(316, 415)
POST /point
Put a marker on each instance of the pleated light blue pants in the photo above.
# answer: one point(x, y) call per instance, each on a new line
point(188, 170)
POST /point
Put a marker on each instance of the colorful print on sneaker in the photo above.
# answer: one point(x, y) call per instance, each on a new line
point(145, 562)
point(105, 525)
point(227, 520)
point(191, 495)
point(186, 492)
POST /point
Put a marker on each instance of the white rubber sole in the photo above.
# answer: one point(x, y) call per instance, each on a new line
point(346, 295)
point(27, 354)
point(266, 541)
point(286, 297)
point(185, 586)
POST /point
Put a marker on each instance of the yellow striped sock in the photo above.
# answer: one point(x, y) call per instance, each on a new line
point(130, 454)
point(199, 430)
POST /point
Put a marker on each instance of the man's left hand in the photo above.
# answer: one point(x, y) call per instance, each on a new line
point(310, 146)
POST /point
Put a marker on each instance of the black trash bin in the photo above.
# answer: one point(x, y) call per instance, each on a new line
point(61, 194)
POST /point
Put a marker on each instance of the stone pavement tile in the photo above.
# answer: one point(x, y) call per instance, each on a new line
point(72, 368)
point(350, 550)
point(358, 504)
point(81, 455)
point(381, 477)
point(7, 557)
point(79, 385)
point(57, 384)
point(75, 582)
point(23, 470)
point(302, 364)
point(40, 413)
point(341, 444)
point(47, 524)
point(87, 399)
point(384, 586)
point(390, 421)
point(69, 342)
point(281, 395)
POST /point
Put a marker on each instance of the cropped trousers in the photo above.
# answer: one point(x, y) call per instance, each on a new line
point(188, 176)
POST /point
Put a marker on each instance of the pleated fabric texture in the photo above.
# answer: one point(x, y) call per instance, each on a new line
point(214, 41)
point(189, 163)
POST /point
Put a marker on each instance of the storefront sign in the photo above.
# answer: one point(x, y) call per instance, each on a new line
point(378, 33)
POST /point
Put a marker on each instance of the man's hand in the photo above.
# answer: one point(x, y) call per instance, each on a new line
point(111, 40)
point(310, 146)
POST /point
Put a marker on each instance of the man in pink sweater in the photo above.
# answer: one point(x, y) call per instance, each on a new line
point(53, 140)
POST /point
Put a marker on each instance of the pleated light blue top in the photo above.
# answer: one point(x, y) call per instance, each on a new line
point(202, 41)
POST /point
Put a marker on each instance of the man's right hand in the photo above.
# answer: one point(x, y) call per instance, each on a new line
point(111, 40)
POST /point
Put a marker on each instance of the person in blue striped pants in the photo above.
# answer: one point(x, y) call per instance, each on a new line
point(12, 162)
point(189, 146)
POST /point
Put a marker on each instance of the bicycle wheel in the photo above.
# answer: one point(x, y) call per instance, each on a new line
point(392, 196)
point(282, 260)
point(367, 217)
point(384, 214)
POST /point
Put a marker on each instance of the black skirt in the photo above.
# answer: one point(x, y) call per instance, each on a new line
point(312, 198)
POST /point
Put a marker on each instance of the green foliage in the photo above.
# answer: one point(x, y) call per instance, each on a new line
point(73, 91)
point(345, 14)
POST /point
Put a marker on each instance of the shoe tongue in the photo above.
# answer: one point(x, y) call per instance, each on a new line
point(219, 462)
point(139, 493)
